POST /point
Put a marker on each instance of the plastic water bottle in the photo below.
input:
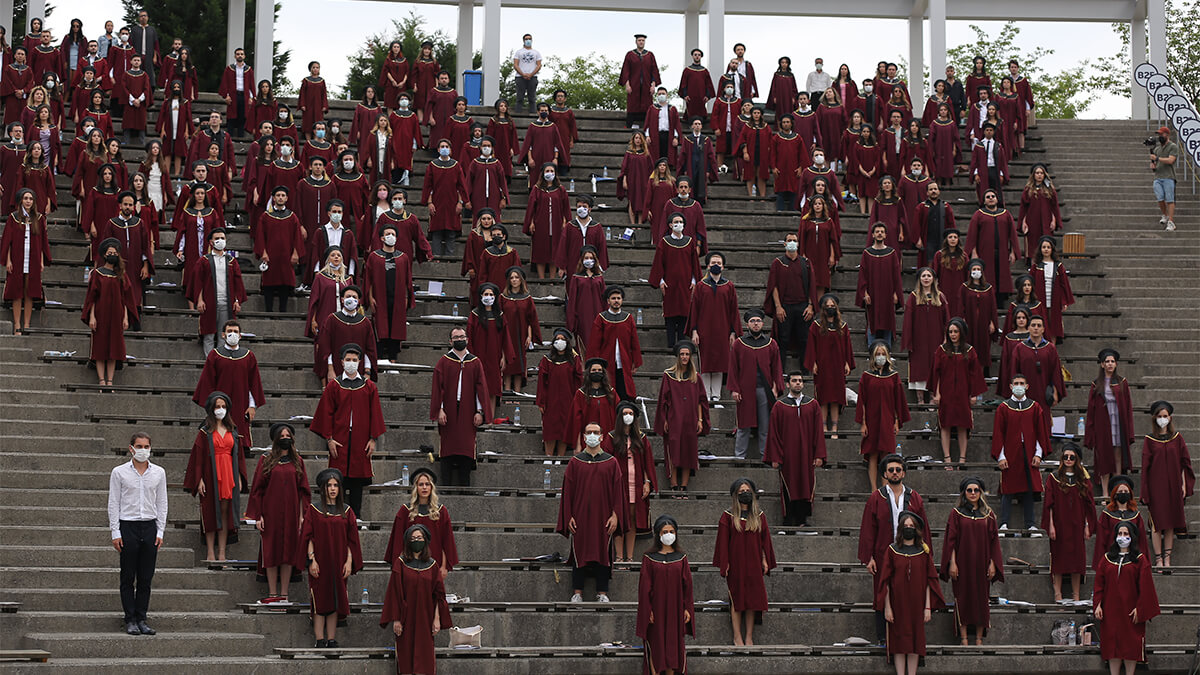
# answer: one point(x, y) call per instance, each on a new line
point(366, 597)
point(404, 475)
point(593, 183)
point(1081, 428)
point(87, 274)
point(572, 187)
point(607, 233)
point(606, 171)
point(454, 310)
point(639, 316)
point(517, 415)
point(898, 450)
point(928, 429)
point(754, 191)
point(1072, 638)
point(546, 479)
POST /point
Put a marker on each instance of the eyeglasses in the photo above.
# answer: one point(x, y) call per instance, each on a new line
point(972, 491)
point(1069, 458)
point(894, 469)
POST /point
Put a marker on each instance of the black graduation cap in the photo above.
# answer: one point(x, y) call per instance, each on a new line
point(752, 313)
point(350, 348)
point(111, 241)
point(662, 521)
point(737, 484)
point(280, 188)
point(498, 226)
point(422, 471)
point(326, 474)
point(976, 261)
point(1107, 352)
point(630, 405)
point(608, 292)
point(684, 344)
point(918, 521)
point(638, 35)
point(949, 232)
point(515, 268)
point(969, 481)
point(662, 160)
point(485, 286)
point(586, 199)
point(351, 287)
point(565, 333)
point(277, 429)
point(597, 361)
point(487, 210)
point(1162, 405)
point(1116, 481)
point(828, 296)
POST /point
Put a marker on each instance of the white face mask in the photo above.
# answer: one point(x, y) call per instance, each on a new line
point(488, 300)
point(403, 104)
point(592, 440)
point(729, 91)
point(219, 244)
point(549, 176)
point(350, 304)
point(560, 344)
point(818, 159)
point(486, 151)
point(667, 538)
point(389, 239)
point(350, 368)
point(627, 418)
point(820, 67)
point(348, 164)
point(50, 84)
point(283, 115)
point(1018, 390)
point(335, 265)
point(662, 98)
point(589, 263)
point(677, 228)
point(791, 246)
point(219, 413)
point(333, 131)
point(1124, 541)
point(398, 204)
point(285, 150)
point(880, 360)
point(976, 274)
point(582, 211)
point(335, 218)
point(868, 88)
point(1162, 422)
point(443, 152)
point(232, 339)
point(141, 454)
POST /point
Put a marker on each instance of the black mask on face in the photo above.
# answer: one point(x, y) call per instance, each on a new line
point(745, 498)
point(543, 114)
point(831, 312)
point(908, 532)
point(596, 377)
point(460, 345)
point(112, 259)
point(285, 443)
point(498, 242)
point(416, 545)
point(714, 270)
point(1123, 497)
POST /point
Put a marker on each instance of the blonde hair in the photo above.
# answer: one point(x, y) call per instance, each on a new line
point(753, 520)
point(983, 505)
point(414, 499)
point(936, 295)
point(630, 148)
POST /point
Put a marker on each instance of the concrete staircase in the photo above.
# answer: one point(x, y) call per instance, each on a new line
point(60, 436)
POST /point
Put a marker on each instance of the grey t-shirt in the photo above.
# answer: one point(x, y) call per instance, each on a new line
point(1164, 150)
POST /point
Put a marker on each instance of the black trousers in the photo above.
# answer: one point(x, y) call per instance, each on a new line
point(798, 511)
point(664, 144)
point(237, 125)
point(456, 470)
point(676, 329)
point(271, 294)
point(619, 385)
point(389, 349)
point(792, 334)
point(355, 489)
point(138, 555)
point(602, 573)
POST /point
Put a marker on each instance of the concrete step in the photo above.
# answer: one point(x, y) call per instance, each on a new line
point(118, 645)
point(13, 555)
point(87, 598)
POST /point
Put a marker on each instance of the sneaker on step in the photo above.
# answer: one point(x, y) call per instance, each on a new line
point(1170, 226)
point(1162, 220)
point(601, 598)
point(577, 598)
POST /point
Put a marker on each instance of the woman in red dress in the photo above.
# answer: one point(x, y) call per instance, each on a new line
point(1053, 286)
point(956, 382)
point(521, 322)
point(926, 315)
point(25, 251)
point(950, 267)
point(504, 134)
point(1039, 214)
point(546, 216)
point(366, 112)
point(264, 109)
point(108, 310)
point(971, 558)
point(910, 592)
point(1108, 429)
point(330, 539)
point(423, 77)
point(559, 376)
point(216, 473)
point(593, 403)
point(1069, 515)
point(681, 416)
point(1021, 316)
point(489, 338)
point(278, 495)
point(832, 118)
point(634, 180)
point(979, 311)
point(1167, 480)
point(415, 603)
point(425, 509)
point(393, 77)
point(1124, 600)
point(585, 291)
point(881, 409)
point(830, 358)
point(635, 458)
point(744, 556)
point(666, 609)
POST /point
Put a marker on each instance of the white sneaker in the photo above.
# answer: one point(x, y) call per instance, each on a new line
point(1170, 226)
point(1004, 527)
point(1162, 220)
point(601, 598)
point(1035, 532)
point(577, 598)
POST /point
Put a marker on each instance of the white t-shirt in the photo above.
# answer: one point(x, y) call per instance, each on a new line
point(527, 60)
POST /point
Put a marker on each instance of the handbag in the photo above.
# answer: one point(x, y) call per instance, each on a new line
point(465, 637)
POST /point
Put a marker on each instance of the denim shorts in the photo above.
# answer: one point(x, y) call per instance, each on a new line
point(1164, 190)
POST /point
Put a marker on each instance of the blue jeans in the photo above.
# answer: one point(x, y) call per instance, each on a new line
point(1164, 190)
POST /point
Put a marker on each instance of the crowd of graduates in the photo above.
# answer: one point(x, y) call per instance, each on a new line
point(326, 206)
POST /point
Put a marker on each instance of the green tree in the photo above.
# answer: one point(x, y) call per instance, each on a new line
point(1059, 96)
point(590, 82)
point(1183, 53)
point(201, 24)
point(21, 22)
point(410, 31)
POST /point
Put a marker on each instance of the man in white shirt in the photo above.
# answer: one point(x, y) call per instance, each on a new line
point(527, 61)
point(818, 80)
point(137, 518)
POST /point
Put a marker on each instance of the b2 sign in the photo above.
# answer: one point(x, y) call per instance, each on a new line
point(1182, 114)
point(1143, 72)
point(1164, 94)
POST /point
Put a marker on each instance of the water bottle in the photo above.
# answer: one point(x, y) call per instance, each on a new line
point(1072, 638)
point(754, 191)
point(546, 479)
point(454, 310)
point(87, 274)
point(606, 171)
point(639, 316)
point(517, 415)
point(607, 233)
point(572, 188)
point(928, 429)
point(898, 450)
point(1081, 428)
point(593, 183)
point(404, 475)
point(366, 597)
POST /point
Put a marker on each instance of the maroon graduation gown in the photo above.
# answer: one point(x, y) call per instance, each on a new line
point(906, 578)
point(589, 406)
point(697, 159)
point(504, 135)
point(979, 311)
point(951, 273)
point(1019, 431)
point(136, 84)
point(1167, 480)
point(1060, 297)
point(389, 318)
point(796, 438)
point(894, 214)
point(788, 154)
point(1040, 213)
point(944, 148)
point(311, 197)
point(16, 78)
point(216, 514)
point(486, 184)
point(278, 499)
point(1069, 507)
point(640, 72)
point(198, 149)
point(827, 355)
point(634, 180)
point(441, 545)
point(278, 236)
point(665, 594)
point(20, 284)
point(112, 299)
point(1042, 367)
point(397, 70)
point(1121, 587)
point(574, 237)
point(782, 96)
point(444, 187)
point(955, 377)
point(337, 331)
point(493, 266)
point(205, 289)
point(234, 372)
point(353, 189)
point(979, 167)
point(693, 221)
point(335, 538)
point(41, 181)
point(556, 385)
point(876, 532)
point(1098, 426)
point(879, 276)
point(457, 130)
point(738, 556)
point(458, 434)
point(610, 332)
point(438, 108)
point(546, 217)
point(832, 119)
point(591, 493)
point(349, 413)
point(658, 195)
point(714, 317)
point(635, 459)
point(820, 242)
point(927, 232)
point(992, 237)
point(674, 130)
point(974, 541)
point(913, 192)
point(520, 316)
point(410, 238)
point(754, 362)
point(489, 339)
point(423, 76)
point(676, 264)
point(313, 102)
point(568, 131)
point(542, 141)
point(881, 405)
point(680, 418)
point(228, 87)
point(415, 597)
point(756, 142)
point(696, 89)
point(724, 123)
point(585, 299)
point(406, 132)
point(793, 279)
point(924, 331)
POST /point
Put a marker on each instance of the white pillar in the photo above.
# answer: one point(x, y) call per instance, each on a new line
point(1156, 26)
point(716, 54)
point(264, 39)
point(916, 58)
point(491, 51)
point(937, 41)
point(6, 19)
point(691, 36)
point(236, 27)
point(466, 28)
point(36, 9)
point(1137, 45)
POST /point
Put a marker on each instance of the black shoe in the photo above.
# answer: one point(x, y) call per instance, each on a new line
point(131, 628)
point(146, 630)
point(331, 644)
point(321, 644)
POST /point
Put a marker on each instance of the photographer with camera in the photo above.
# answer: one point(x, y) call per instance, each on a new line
point(1163, 155)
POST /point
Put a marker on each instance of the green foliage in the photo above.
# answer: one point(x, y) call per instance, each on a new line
point(367, 62)
point(1060, 96)
point(1183, 53)
point(590, 82)
point(202, 25)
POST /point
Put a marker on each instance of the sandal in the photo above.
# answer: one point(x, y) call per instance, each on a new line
point(949, 464)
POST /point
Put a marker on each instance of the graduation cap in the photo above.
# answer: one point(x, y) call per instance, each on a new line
point(351, 287)
point(488, 285)
point(639, 35)
point(388, 226)
point(696, 118)
point(597, 361)
point(326, 474)
point(277, 429)
point(487, 138)
point(413, 529)
point(627, 405)
point(1107, 352)
point(684, 344)
point(485, 211)
point(316, 158)
point(949, 232)
point(1117, 481)
point(683, 179)
point(753, 313)
point(420, 472)
point(989, 125)
point(1023, 309)
point(675, 215)
point(1022, 279)
point(1047, 238)
point(662, 160)
point(111, 241)
point(515, 268)
point(918, 521)
point(350, 348)
point(211, 403)
point(586, 199)
point(565, 333)
point(1162, 405)
point(737, 485)
point(426, 43)
point(663, 521)
point(611, 290)
point(828, 296)
point(498, 226)
point(976, 262)
point(969, 481)
point(330, 249)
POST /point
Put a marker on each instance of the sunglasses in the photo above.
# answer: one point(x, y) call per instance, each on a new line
point(894, 470)
point(1069, 458)
point(972, 491)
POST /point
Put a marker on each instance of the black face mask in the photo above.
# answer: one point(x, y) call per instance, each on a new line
point(285, 443)
point(596, 377)
point(1123, 497)
point(459, 345)
point(745, 498)
point(112, 259)
point(416, 545)
point(498, 242)
point(831, 312)
point(543, 114)
point(714, 270)
point(908, 532)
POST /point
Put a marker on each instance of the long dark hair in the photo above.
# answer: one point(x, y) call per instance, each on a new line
point(324, 477)
point(408, 554)
point(1081, 472)
point(635, 434)
point(949, 345)
point(210, 419)
point(279, 451)
point(661, 522)
point(1115, 550)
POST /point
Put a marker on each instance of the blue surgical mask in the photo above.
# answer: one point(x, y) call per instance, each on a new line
point(443, 152)
point(320, 133)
